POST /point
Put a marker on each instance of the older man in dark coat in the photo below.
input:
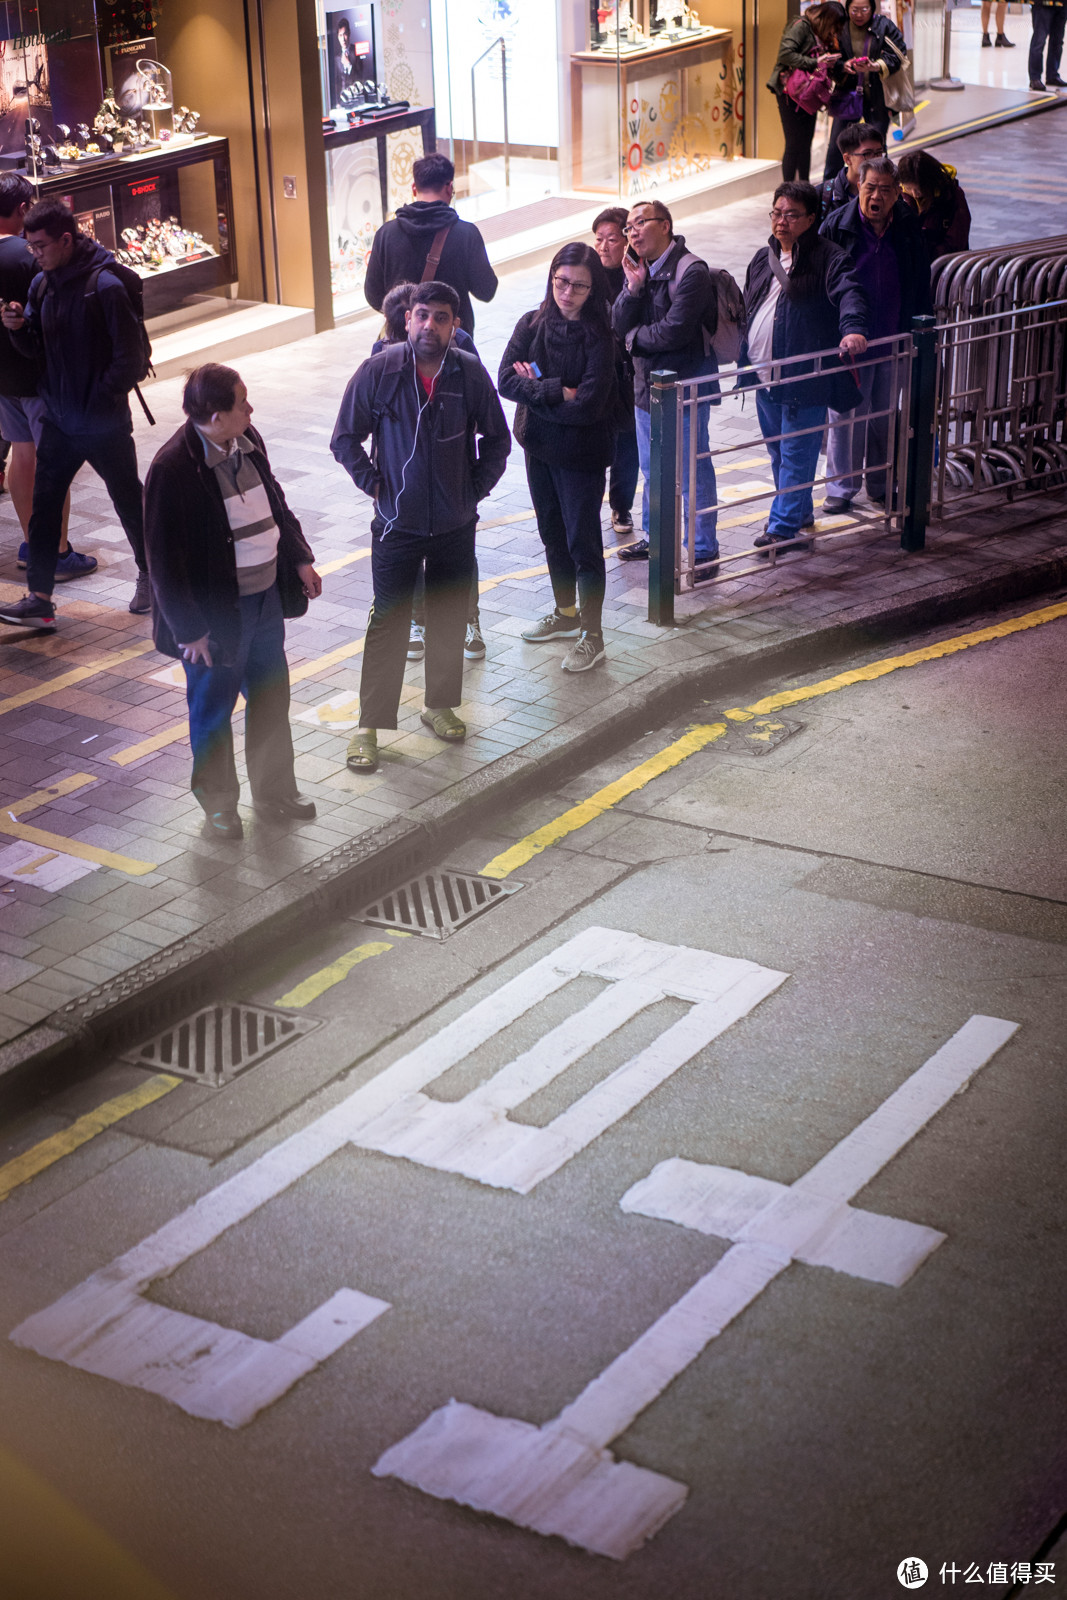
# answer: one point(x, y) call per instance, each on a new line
point(228, 562)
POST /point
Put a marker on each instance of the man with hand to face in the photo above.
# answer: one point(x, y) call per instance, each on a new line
point(801, 296)
point(883, 239)
point(228, 562)
point(660, 317)
point(440, 443)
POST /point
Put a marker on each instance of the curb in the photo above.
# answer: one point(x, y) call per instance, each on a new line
point(185, 974)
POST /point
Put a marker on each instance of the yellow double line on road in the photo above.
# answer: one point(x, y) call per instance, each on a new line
point(698, 738)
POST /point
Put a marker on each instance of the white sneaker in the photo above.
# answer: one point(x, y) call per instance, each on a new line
point(587, 652)
point(416, 642)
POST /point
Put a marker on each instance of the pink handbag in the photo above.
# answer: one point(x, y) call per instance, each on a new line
point(809, 91)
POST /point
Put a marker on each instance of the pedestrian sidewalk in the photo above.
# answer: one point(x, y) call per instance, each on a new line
point(108, 892)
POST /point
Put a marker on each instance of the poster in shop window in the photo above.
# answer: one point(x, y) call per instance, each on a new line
point(350, 50)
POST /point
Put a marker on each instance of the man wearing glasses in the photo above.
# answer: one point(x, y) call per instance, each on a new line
point(801, 296)
point(662, 324)
point(80, 323)
point(883, 238)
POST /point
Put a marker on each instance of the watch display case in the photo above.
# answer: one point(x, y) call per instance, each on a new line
point(167, 213)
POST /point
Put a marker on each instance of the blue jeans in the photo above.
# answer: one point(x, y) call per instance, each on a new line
point(707, 545)
point(794, 460)
point(260, 672)
point(622, 484)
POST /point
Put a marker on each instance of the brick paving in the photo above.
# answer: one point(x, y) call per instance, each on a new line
point(95, 706)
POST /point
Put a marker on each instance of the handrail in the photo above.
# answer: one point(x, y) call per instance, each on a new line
point(474, 105)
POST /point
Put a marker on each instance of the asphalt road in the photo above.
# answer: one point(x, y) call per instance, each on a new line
point(761, 1392)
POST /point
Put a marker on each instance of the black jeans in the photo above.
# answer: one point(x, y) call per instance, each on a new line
point(395, 564)
point(1047, 23)
point(59, 457)
point(418, 605)
point(799, 129)
point(260, 672)
point(622, 483)
point(567, 501)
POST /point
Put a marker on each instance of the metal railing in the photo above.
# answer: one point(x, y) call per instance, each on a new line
point(975, 411)
point(474, 105)
point(677, 411)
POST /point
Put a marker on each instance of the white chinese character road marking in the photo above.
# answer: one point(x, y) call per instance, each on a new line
point(561, 1478)
point(104, 1325)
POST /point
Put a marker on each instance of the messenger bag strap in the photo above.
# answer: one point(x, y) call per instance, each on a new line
point(776, 267)
point(433, 260)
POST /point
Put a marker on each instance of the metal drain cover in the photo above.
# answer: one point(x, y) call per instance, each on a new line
point(215, 1044)
point(436, 903)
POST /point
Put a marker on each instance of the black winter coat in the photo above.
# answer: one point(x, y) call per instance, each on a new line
point(90, 344)
point(823, 303)
point(400, 248)
point(844, 227)
point(659, 332)
point(190, 551)
point(578, 433)
point(880, 29)
point(18, 374)
point(428, 473)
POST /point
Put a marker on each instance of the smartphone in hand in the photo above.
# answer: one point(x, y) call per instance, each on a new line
point(631, 255)
point(535, 369)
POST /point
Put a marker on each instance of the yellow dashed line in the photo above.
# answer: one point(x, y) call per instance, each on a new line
point(49, 1151)
point(699, 737)
point(66, 680)
point(319, 982)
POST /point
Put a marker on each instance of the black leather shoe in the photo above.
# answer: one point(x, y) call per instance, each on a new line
point(634, 552)
point(223, 825)
point(294, 809)
point(1056, 83)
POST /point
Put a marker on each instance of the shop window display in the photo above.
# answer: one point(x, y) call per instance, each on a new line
point(88, 112)
point(656, 97)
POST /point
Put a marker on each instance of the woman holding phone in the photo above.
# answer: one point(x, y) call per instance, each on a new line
point(808, 42)
point(872, 49)
point(559, 367)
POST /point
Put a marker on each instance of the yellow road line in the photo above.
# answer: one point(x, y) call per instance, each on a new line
point(342, 561)
point(604, 799)
point(59, 841)
point(698, 738)
point(912, 658)
point(319, 982)
point(49, 1151)
point(66, 680)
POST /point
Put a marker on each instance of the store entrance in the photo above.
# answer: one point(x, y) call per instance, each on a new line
point(497, 95)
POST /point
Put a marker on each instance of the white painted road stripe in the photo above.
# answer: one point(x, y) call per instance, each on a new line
point(104, 1325)
point(560, 1479)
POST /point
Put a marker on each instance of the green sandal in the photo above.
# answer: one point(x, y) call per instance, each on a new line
point(446, 725)
point(363, 751)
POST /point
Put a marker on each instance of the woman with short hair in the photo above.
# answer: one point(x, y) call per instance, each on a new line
point(932, 188)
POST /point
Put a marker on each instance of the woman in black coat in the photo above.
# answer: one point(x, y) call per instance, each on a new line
point(872, 49)
point(560, 367)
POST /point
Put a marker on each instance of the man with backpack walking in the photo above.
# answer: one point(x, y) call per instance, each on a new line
point(83, 321)
point(439, 444)
point(667, 315)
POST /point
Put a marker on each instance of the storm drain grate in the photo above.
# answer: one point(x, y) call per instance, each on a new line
point(436, 903)
point(215, 1044)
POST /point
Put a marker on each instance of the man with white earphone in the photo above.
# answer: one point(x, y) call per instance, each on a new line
point(439, 445)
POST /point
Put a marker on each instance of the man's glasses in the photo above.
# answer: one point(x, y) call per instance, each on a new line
point(635, 227)
point(568, 286)
point(786, 216)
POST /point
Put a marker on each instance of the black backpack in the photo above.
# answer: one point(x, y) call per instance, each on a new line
point(133, 284)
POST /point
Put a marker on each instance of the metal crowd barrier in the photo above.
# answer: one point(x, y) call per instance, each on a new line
point(734, 435)
point(977, 411)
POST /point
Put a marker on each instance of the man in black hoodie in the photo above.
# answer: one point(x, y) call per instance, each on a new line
point(426, 240)
point(88, 338)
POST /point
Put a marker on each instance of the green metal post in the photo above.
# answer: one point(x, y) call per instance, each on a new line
point(662, 496)
point(922, 418)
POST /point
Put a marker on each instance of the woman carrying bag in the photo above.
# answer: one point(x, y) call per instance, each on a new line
point(809, 47)
point(560, 367)
point(872, 51)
